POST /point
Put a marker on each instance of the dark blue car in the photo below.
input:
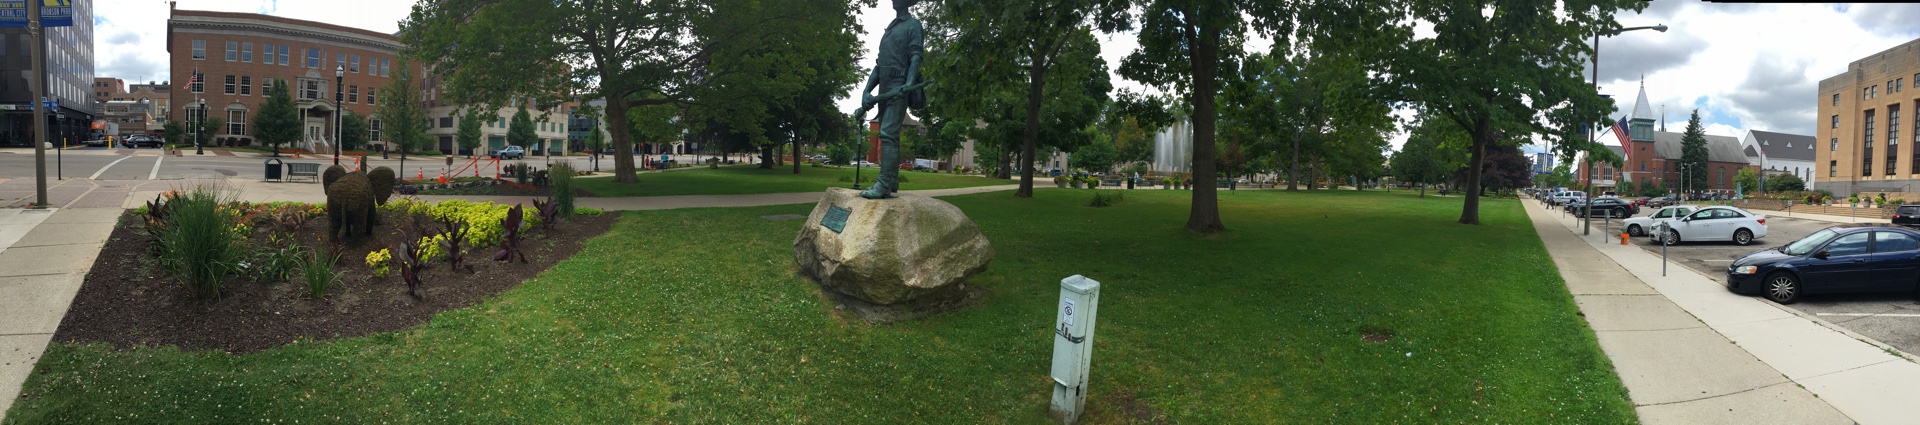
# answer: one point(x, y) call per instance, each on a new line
point(1851, 258)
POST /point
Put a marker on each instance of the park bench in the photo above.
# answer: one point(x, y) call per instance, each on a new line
point(1112, 182)
point(304, 169)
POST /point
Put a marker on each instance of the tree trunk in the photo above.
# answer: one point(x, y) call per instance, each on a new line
point(766, 157)
point(1423, 190)
point(1470, 211)
point(1036, 82)
point(1005, 166)
point(1293, 173)
point(623, 167)
point(1204, 216)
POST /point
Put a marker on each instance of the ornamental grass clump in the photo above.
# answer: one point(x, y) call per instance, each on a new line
point(317, 270)
point(562, 187)
point(199, 242)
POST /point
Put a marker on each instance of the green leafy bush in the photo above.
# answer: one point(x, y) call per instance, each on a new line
point(377, 261)
point(317, 270)
point(481, 219)
point(588, 211)
point(1107, 198)
point(275, 261)
point(562, 190)
point(198, 241)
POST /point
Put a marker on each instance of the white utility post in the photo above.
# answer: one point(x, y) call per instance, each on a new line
point(1073, 346)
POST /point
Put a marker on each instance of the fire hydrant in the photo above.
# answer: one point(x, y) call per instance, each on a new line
point(1623, 238)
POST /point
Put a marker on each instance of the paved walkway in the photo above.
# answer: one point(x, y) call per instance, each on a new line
point(44, 255)
point(1691, 352)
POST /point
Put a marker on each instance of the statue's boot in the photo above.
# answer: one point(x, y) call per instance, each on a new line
point(882, 188)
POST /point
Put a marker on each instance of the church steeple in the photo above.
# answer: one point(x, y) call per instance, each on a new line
point(1640, 125)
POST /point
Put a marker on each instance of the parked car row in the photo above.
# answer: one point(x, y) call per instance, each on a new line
point(1607, 207)
point(1844, 258)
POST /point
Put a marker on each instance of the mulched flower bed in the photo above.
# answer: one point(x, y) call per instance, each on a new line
point(128, 299)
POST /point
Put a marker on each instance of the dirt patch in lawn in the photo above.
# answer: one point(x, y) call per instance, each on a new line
point(128, 299)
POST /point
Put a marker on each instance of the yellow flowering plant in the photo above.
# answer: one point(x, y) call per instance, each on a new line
point(378, 261)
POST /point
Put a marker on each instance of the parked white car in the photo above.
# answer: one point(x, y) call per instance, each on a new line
point(1717, 223)
point(1643, 226)
point(1563, 197)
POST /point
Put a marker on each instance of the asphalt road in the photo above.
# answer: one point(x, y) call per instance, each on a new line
point(1891, 318)
point(148, 164)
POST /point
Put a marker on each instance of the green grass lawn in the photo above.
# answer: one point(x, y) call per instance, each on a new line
point(746, 179)
point(699, 316)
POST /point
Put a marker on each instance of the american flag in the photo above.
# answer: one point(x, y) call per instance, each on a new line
point(195, 78)
point(1620, 134)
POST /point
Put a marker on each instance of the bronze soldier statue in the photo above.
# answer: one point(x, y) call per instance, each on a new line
point(896, 72)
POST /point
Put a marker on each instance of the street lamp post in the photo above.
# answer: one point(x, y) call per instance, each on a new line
point(198, 148)
point(339, 76)
point(1686, 177)
point(1586, 222)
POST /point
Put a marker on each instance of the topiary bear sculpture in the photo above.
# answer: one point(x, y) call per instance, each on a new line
point(350, 207)
point(382, 179)
point(333, 173)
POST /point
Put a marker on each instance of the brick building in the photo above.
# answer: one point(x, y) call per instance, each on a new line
point(1866, 115)
point(1654, 155)
point(239, 54)
point(105, 88)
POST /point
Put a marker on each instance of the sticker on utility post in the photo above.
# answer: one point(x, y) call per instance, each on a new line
point(1067, 307)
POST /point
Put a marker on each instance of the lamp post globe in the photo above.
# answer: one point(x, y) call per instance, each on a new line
point(339, 75)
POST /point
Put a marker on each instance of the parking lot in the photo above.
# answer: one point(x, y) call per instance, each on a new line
point(1891, 318)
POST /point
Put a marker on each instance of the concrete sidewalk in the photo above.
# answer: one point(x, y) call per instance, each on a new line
point(1689, 351)
point(44, 256)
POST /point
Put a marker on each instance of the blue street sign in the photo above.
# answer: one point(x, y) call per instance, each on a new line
point(53, 13)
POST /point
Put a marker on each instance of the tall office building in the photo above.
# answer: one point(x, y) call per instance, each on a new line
point(1864, 132)
point(69, 79)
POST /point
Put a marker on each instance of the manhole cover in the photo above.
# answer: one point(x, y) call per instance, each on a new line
point(782, 217)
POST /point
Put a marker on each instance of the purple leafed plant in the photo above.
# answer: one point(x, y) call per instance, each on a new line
point(456, 234)
point(510, 235)
point(549, 213)
point(410, 265)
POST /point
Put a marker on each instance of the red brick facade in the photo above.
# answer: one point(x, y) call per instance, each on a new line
point(238, 53)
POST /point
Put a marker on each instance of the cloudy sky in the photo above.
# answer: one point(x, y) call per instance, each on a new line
point(1743, 66)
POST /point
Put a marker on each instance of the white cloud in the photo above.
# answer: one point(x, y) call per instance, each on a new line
point(1751, 67)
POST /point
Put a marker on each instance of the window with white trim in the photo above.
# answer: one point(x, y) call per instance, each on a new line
point(237, 122)
point(199, 49)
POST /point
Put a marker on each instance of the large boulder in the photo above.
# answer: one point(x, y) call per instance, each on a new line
point(890, 251)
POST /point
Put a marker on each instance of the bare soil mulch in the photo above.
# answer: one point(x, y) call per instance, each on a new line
point(128, 299)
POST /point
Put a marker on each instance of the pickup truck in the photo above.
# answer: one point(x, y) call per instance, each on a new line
point(510, 152)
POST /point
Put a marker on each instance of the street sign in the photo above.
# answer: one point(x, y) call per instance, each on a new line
point(53, 13)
